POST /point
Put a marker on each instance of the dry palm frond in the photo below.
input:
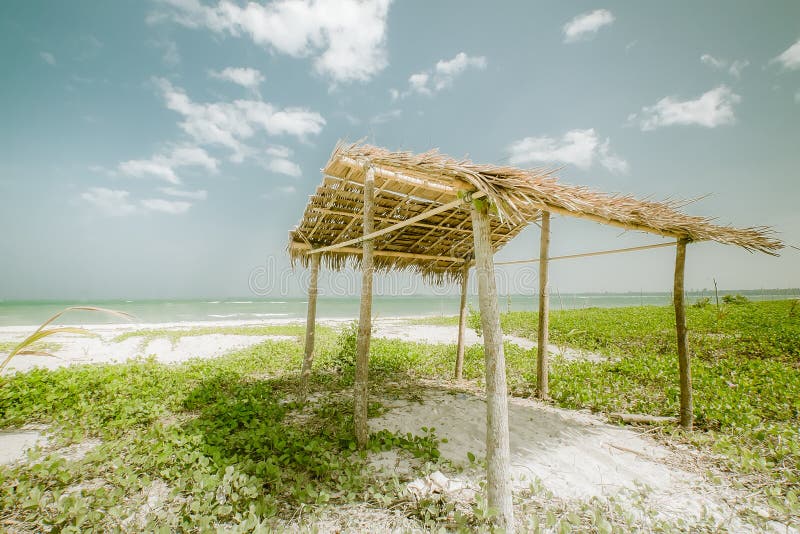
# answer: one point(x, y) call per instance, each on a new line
point(25, 347)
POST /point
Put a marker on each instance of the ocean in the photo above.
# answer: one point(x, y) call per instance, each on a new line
point(18, 313)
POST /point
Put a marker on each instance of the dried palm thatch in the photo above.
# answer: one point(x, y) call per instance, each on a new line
point(408, 185)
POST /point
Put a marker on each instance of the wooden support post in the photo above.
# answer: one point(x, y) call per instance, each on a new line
point(462, 321)
point(361, 387)
point(542, 365)
point(311, 319)
point(683, 340)
point(498, 455)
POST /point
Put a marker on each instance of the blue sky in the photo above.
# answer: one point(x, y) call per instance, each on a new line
point(164, 148)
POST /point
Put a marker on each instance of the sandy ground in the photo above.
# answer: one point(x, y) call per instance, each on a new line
point(102, 349)
point(574, 455)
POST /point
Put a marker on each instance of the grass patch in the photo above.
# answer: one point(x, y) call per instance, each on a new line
point(439, 320)
point(148, 335)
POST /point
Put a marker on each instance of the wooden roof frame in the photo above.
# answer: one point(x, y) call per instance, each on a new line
point(422, 222)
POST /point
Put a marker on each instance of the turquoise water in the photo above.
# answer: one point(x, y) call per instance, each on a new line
point(14, 313)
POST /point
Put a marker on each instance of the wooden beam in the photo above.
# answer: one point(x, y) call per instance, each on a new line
point(542, 364)
point(389, 253)
point(394, 175)
point(462, 322)
point(361, 386)
point(588, 254)
point(461, 185)
point(311, 318)
point(389, 229)
point(684, 367)
point(498, 455)
point(602, 220)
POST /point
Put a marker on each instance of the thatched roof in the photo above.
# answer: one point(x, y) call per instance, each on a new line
point(407, 185)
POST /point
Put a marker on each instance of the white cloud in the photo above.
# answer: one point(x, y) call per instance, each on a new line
point(586, 25)
point(287, 189)
point(111, 202)
point(170, 55)
point(346, 38)
point(386, 116)
point(48, 57)
point(790, 58)
point(284, 166)
point(713, 108)
point(164, 165)
point(441, 76)
point(737, 66)
point(734, 67)
point(230, 124)
point(610, 161)
point(797, 96)
point(244, 76)
point(279, 151)
point(577, 147)
point(172, 207)
point(200, 194)
point(418, 83)
point(280, 162)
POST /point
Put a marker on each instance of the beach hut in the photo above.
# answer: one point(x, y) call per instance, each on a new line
point(437, 216)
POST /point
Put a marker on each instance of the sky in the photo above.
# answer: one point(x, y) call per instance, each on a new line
point(163, 149)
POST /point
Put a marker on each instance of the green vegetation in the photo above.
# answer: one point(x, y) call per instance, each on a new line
point(230, 448)
point(147, 335)
point(221, 437)
point(745, 371)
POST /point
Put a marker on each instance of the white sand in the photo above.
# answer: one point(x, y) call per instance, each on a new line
point(102, 349)
point(574, 455)
point(14, 445)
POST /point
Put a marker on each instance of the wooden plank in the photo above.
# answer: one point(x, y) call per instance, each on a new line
point(311, 318)
point(361, 386)
point(542, 364)
point(498, 456)
point(588, 254)
point(389, 253)
point(462, 322)
point(392, 228)
point(684, 367)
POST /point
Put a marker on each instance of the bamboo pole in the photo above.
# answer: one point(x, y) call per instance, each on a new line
point(389, 229)
point(542, 365)
point(683, 341)
point(311, 318)
point(588, 254)
point(360, 388)
point(498, 456)
point(389, 220)
point(297, 245)
point(461, 185)
point(462, 322)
